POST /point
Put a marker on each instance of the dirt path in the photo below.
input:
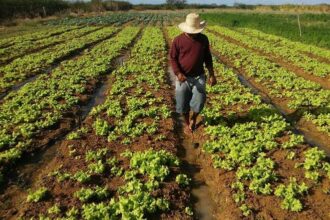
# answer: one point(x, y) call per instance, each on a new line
point(203, 204)
point(315, 56)
point(189, 153)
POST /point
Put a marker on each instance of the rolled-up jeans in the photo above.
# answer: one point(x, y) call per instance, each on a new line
point(190, 95)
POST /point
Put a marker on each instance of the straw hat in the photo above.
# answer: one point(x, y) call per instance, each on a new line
point(193, 24)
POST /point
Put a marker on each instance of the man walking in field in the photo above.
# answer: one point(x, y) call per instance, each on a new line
point(189, 51)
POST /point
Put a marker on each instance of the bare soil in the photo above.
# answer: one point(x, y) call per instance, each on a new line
point(319, 58)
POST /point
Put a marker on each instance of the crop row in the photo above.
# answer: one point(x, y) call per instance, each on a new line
point(119, 19)
point(120, 163)
point(36, 63)
point(254, 140)
point(22, 48)
point(40, 105)
point(281, 51)
point(255, 143)
point(292, 91)
point(109, 19)
point(315, 28)
point(30, 37)
point(160, 19)
point(293, 45)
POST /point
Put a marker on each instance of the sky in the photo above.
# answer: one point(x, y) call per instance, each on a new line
point(231, 2)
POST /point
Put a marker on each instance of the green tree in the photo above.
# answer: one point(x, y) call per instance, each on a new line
point(176, 3)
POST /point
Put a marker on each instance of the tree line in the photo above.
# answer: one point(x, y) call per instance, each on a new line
point(42, 8)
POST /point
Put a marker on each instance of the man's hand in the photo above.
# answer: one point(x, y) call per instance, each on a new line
point(212, 80)
point(181, 77)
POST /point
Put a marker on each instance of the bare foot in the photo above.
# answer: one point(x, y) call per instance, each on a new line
point(187, 130)
point(192, 125)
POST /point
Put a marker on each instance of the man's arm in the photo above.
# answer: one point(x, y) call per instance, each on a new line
point(209, 63)
point(174, 58)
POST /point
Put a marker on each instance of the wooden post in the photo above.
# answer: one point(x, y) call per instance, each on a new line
point(44, 9)
point(299, 25)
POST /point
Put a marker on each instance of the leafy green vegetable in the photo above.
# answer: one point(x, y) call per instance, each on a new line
point(189, 211)
point(314, 163)
point(88, 194)
point(245, 210)
point(55, 209)
point(77, 134)
point(38, 195)
point(153, 163)
point(290, 194)
point(182, 179)
point(101, 127)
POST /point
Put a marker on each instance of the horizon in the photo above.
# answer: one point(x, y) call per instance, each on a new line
point(232, 2)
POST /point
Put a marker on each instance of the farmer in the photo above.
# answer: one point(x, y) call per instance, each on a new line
point(189, 51)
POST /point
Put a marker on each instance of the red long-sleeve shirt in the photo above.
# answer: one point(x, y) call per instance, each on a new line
point(188, 55)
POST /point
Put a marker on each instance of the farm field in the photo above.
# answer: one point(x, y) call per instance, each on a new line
point(315, 28)
point(88, 128)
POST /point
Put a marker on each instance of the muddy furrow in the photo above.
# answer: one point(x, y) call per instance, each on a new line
point(72, 55)
point(211, 195)
point(301, 126)
point(324, 83)
point(315, 56)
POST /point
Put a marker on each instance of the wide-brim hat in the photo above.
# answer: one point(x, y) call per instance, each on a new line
point(193, 24)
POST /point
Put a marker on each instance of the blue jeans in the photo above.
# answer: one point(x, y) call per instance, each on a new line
point(190, 95)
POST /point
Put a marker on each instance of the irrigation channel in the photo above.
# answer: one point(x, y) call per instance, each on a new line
point(210, 200)
point(27, 173)
point(189, 153)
